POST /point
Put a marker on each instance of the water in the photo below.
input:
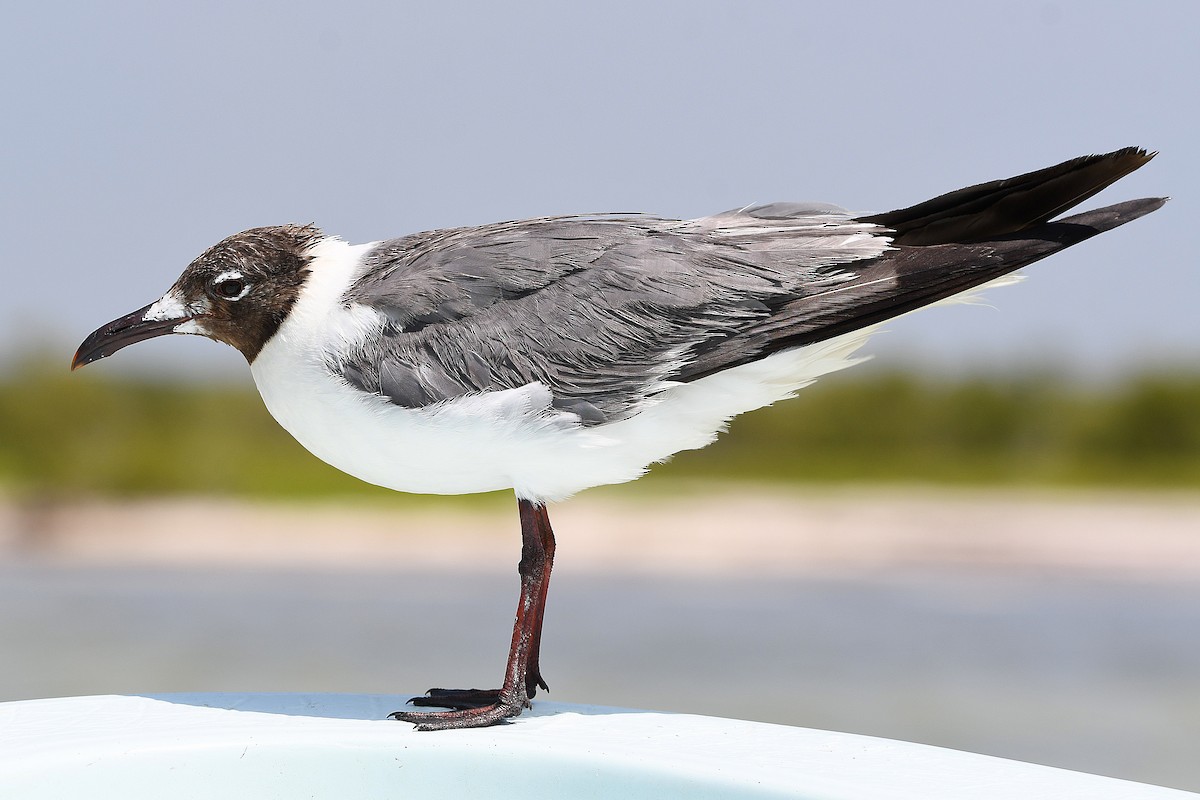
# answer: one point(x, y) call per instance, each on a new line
point(1096, 675)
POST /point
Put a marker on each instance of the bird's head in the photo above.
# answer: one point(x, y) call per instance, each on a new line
point(238, 292)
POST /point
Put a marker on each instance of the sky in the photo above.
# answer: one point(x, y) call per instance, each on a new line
point(138, 133)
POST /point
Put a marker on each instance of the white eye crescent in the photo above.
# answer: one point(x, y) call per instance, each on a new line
point(229, 285)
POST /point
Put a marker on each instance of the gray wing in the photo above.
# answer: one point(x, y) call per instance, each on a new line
point(604, 311)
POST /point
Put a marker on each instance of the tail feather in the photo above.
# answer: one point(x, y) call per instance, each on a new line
point(908, 278)
point(998, 208)
point(941, 248)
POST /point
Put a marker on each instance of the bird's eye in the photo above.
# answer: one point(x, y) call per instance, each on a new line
point(229, 287)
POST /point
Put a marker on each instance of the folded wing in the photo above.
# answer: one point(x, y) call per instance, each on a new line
point(606, 311)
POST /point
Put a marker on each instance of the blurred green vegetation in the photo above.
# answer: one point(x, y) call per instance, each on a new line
point(66, 434)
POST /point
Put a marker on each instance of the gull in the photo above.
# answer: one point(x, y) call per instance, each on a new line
point(554, 354)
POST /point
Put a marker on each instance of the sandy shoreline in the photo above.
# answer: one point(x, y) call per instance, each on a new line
point(747, 533)
point(752, 532)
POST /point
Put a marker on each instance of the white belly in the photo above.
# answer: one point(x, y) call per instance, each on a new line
point(511, 439)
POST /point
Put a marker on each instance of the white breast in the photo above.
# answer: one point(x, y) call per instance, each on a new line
point(493, 440)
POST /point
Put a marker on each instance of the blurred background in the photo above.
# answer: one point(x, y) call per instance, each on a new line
point(988, 538)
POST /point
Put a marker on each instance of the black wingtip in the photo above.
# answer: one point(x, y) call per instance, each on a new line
point(1000, 208)
point(1109, 217)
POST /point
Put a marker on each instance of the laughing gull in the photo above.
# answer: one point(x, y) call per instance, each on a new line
point(554, 354)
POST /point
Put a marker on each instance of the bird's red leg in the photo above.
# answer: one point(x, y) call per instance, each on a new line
point(476, 708)
point(533, 672)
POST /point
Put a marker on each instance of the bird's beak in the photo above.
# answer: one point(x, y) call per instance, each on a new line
point(145, 323)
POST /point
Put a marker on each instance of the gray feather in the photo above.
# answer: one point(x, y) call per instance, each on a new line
point(606, 311)
point(602, 310)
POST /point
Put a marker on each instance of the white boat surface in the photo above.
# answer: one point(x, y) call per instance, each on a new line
point(232, 746)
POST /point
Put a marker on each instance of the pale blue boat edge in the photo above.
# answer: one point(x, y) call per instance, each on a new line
point(342, 747)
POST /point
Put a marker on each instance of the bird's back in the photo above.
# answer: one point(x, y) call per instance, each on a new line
point(554, 354)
